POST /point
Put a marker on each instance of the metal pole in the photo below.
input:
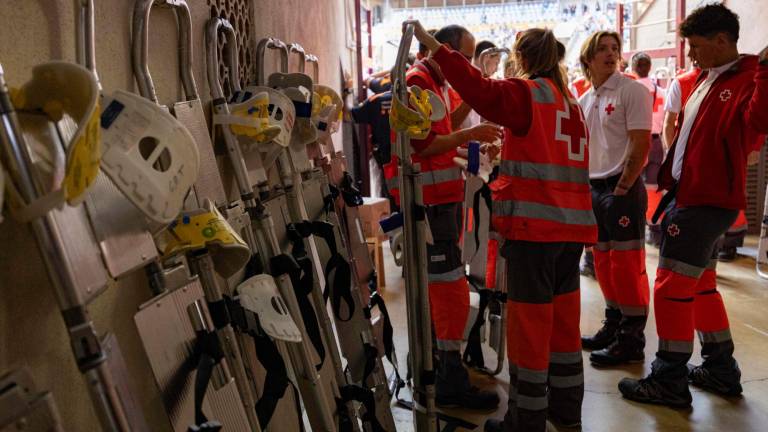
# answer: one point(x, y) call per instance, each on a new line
point(680, 42)
point(415, 264)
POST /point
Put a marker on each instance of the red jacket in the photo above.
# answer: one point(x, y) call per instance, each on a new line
point(542, 192)
point(727, 128)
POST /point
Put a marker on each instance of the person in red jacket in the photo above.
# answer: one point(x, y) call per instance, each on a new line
point(542, 207)
point(619, 113)
point(443, 194)
point(704, 174)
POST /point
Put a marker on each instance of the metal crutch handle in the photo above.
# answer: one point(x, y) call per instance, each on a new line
point(140, 47)
point(298, 49)
point(311, 58)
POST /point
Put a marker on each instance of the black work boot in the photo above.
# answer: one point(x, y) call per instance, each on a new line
point(703, 378)
point(628, 346)
point(607, 333)
point(453, 389)
point(720, 372)
point(667, 383)
point(653, 391)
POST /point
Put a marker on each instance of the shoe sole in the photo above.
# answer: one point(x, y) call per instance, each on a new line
point(658, 402)
point(716, 390)
point(628, 362)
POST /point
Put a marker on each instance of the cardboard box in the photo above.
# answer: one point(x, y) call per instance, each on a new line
point(371, 212)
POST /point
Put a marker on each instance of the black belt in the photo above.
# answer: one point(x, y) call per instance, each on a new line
point(609, 182)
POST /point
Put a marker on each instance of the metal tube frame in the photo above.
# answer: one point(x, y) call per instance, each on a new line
point(140, 51)
point(86, 346)
point(415, 261)
point(298, 49)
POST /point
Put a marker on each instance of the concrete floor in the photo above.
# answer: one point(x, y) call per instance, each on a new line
point(746, 298)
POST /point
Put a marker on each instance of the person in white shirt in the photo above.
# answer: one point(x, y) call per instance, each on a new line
point(618, 114)
point(641, 66)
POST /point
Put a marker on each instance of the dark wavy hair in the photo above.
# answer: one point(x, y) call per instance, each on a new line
point(709, 20)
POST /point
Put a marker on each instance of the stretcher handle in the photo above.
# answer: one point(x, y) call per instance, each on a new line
point(298, 49)
point(311, 58)
point(488, 52)
point(140, 47)
point(271, 43)
point(399, 87)
point(213, 29)
point(85, 36)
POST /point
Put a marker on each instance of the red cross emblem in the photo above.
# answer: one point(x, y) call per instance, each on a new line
point(570, 128)
point(725, 95)
point(673, 230)
point(610, 109)
point(624, 221)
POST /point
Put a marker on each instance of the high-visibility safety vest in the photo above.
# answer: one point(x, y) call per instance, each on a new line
point(687, 82)
point(441, 180)
point(542, 192)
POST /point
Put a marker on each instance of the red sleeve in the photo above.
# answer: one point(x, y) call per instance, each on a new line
point(504, 102)
point(437, 127)
point(756, 113)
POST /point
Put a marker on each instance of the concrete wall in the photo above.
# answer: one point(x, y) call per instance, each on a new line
point(34, 31)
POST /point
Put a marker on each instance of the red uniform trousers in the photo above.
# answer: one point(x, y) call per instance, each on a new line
point(448, 288)
point(544, 342)
point(686, 298)
point(620, 249)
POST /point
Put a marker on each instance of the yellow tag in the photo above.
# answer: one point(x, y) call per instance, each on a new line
point(83, 159)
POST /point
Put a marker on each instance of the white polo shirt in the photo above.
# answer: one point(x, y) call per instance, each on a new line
point(619, 105)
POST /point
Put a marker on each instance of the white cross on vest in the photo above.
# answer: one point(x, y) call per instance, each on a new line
point(570, 128)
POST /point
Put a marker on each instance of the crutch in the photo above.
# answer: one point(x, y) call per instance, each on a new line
point(86, 346)
point(266, 243)
point(415, 262)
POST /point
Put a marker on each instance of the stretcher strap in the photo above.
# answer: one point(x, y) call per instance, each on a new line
point(276, 380)
point(299, 269)
point(207, 354)
point(338, 272)
point(485, 193)
point(365, 397)
point(351, 194)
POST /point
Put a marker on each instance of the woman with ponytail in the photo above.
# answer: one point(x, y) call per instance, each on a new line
point(543, 209)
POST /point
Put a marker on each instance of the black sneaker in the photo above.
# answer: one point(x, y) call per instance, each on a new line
point(651, 391)
point(704, 379)
point(617, 354)
point(474, 399)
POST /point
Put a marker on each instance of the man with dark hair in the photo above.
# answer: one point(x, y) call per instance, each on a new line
point(704, 174)
point(443, 195)
point(482, 46)
point(423, 50)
